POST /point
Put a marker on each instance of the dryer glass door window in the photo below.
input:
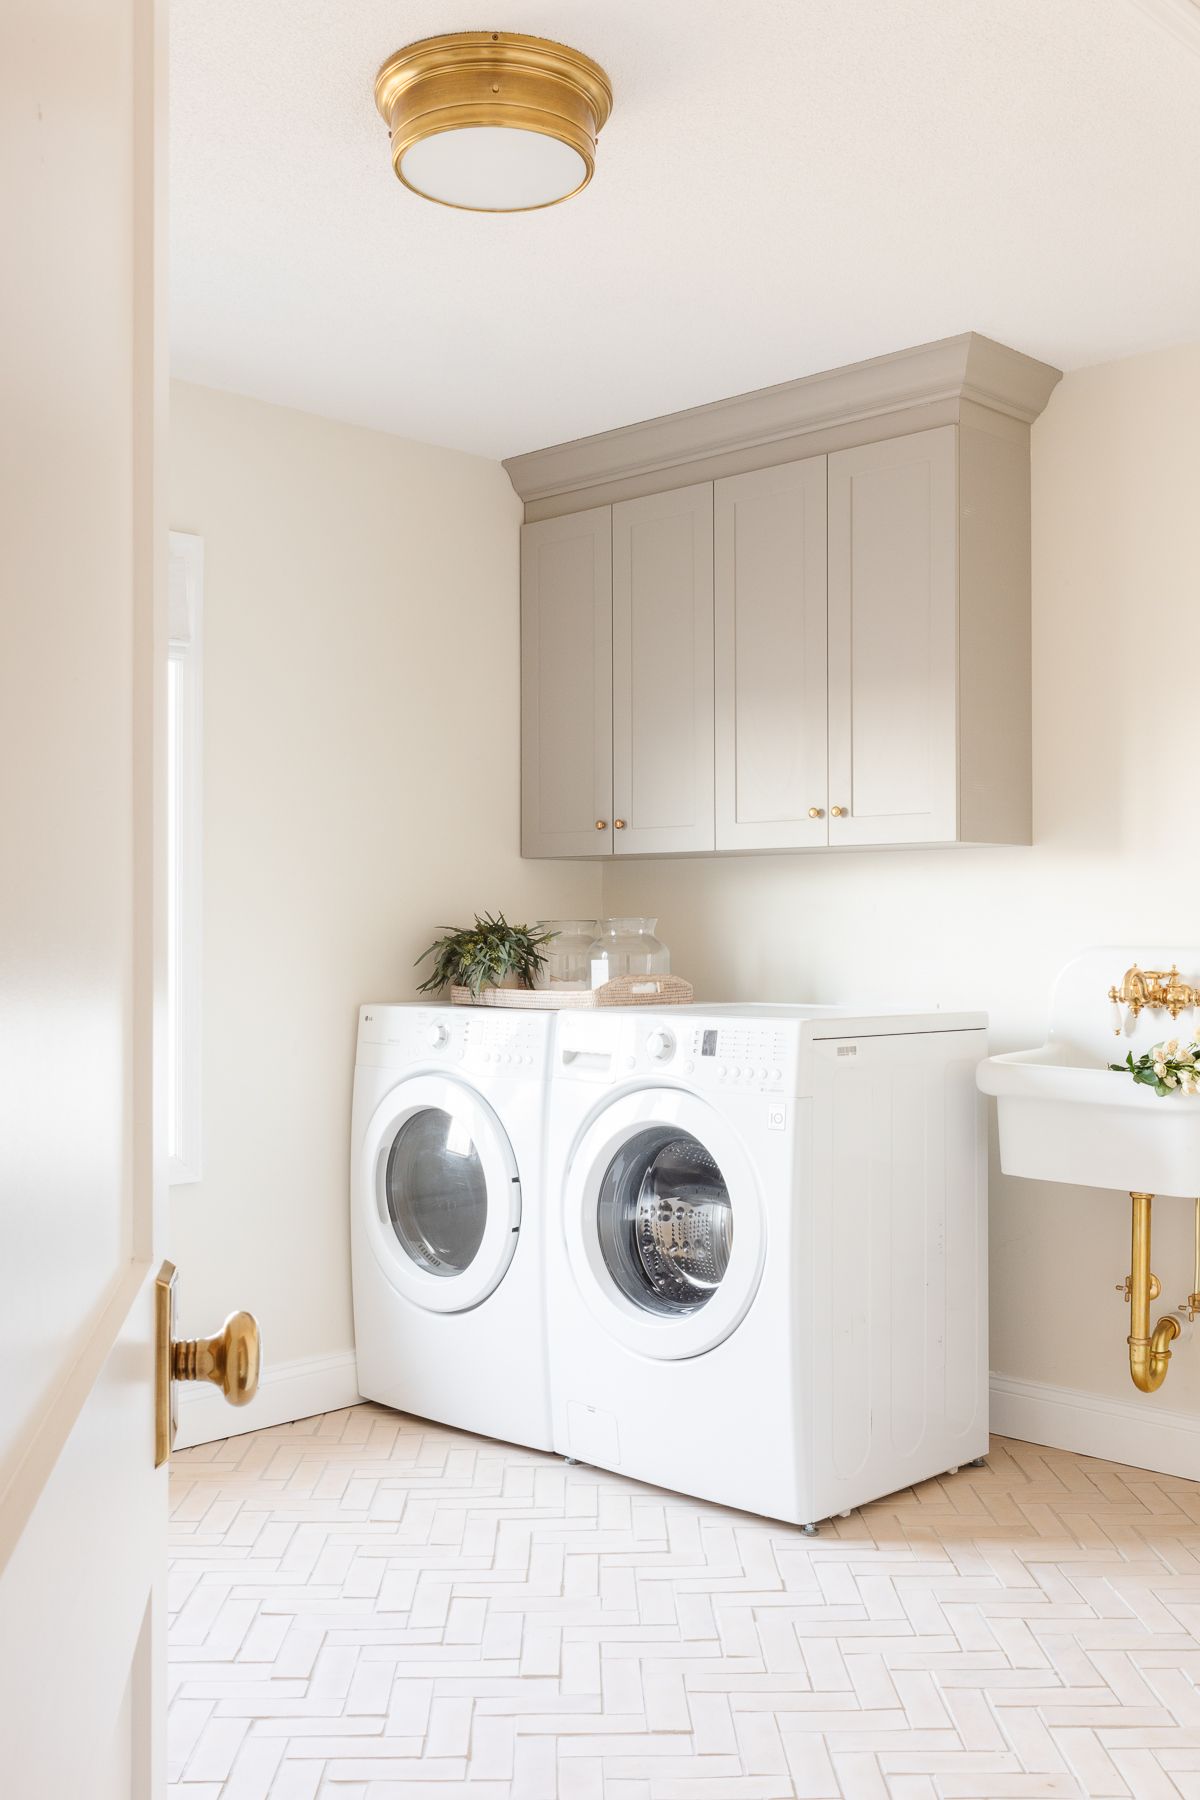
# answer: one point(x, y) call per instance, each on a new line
point(665, 1222)
point(436, 1192)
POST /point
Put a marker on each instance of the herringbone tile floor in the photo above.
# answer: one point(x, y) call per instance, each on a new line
point(368, 1607)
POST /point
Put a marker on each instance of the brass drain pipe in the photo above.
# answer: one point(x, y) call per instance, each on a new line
point(1149, 1353)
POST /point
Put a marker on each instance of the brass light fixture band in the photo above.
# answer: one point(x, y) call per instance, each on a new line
point(477, 78)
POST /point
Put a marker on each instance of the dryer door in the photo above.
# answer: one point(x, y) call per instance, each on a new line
point(664, 1225)
point(440, 1193)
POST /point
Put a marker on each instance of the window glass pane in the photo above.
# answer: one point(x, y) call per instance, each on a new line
point(436, 1192)
point(174, 876)
point(665, 1221)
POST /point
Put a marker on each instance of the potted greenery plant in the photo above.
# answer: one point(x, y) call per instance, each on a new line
point(490, 953)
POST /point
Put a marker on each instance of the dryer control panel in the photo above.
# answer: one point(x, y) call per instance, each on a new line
point(484, 1040)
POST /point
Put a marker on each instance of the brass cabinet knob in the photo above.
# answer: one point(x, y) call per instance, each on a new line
point(817, 812)
point(231, 1360)
point(601, 824)
point(838, 812)
point(619, 824)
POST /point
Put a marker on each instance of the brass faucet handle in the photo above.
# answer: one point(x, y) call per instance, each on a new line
point(1125, 1288)
point(231, 1360)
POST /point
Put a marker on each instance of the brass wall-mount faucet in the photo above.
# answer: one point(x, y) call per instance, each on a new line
point(1152, 989)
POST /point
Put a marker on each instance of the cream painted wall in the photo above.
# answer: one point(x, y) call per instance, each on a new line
point(361, 788)
point(1116, 566)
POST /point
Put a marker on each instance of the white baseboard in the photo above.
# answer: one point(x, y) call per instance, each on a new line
point(287, 1391)
point(1135, 1431)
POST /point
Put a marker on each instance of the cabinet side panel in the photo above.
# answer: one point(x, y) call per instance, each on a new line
point(995, 741)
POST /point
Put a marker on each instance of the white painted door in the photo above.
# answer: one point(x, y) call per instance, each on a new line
point(769, 615)
point(893, 600)
point(566, 685)
point(82, 1507)
point(663, 672)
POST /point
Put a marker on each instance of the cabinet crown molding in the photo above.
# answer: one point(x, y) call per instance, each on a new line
point(964, 368)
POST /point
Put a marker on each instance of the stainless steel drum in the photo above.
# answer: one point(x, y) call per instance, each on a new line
point(665, 1221)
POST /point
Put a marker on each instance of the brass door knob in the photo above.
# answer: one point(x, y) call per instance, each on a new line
point(838, 812)
point(601, 824)
point(619, 824)
point(817, 812)
point(231, 1360)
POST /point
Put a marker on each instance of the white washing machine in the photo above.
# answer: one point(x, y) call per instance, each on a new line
point(447, 1216)
point(767, 1280)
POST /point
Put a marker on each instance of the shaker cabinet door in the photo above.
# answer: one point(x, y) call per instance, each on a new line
point(893, 599)
point(663, 672)
point(770, 607)
point(566, 685)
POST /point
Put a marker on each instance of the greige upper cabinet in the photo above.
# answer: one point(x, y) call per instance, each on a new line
point(929, 653)
point(893, 606)
point(771, 731)
point(819, 609)
point(663, 672)
point(566, 685)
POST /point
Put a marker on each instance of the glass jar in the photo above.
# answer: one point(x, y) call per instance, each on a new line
point(627, 947)
point(568, 954)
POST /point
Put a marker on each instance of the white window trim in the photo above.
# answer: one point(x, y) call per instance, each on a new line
point(185, 651)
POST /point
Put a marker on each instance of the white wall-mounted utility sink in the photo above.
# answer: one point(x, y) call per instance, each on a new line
point(1064, 1116)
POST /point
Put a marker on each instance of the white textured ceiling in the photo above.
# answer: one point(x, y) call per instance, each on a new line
point(784, 186)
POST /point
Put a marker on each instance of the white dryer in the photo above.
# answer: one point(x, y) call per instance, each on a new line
point(447, 1216)
point(767, 1281)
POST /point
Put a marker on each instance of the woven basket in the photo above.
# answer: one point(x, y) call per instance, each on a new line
point(624, 990)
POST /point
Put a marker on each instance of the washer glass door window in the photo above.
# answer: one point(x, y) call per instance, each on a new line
point(436, 1192)
point(440, 1193)
point(665, 1222)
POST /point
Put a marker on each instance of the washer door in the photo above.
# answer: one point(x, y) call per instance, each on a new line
point(664, 1226)
point(442, 1199)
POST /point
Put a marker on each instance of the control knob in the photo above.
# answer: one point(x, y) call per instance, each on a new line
point(660, 1044)
point(436, 1036)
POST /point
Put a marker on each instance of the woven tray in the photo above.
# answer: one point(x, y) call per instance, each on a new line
point(625, 990)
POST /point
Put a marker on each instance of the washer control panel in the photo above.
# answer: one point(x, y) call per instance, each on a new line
point(743, 1053)
point(684, 1046)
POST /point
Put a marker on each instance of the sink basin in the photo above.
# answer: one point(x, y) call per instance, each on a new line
point(1064, 1116)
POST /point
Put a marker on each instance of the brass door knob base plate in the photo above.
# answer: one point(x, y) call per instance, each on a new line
point(231, 1360)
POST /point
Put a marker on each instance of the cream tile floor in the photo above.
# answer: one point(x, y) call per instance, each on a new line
point(368, 1607)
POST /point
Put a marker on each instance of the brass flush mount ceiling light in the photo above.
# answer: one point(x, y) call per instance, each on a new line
point(492, 121)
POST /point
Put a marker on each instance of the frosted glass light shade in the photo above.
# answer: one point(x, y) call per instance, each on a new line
point(493, 168)
point(493, 121)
